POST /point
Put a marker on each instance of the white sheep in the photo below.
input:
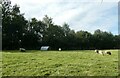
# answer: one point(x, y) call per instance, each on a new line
point(96, 51)
point(22, 49)
point(101, 52)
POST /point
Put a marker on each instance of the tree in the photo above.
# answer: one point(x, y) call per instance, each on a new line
point(84, 39)
point(13, 23)
point(117, 41)
point(66, 29)
point(53, 37)
point(69, 37)
point(34, 32)
point(48, 21)
point(97, 39)
point(107, 40)
point(6, 21)
point(103, 40)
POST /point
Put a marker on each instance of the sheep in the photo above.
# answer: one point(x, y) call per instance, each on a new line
point(96, 51)
point(22, 49)
point(108, 52)
point(99, 52)
point(103, 52)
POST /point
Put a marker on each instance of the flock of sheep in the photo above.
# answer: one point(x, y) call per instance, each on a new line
point(96, 51)
point(103, 52)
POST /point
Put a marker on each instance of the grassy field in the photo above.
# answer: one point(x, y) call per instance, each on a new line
point(59, 63)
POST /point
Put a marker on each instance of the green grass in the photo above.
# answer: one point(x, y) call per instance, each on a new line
point(0, 64)
point(59, 63)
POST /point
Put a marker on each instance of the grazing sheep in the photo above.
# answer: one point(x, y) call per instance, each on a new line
point(101, 52)
point(22, 49)
point(108, 52)
point(96, 51)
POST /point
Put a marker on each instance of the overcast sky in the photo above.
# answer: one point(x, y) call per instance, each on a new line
point(87, 15)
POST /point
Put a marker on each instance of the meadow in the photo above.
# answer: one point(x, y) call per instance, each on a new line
point(59, 63)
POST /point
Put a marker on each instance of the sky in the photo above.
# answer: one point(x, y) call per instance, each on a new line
point(87, 15)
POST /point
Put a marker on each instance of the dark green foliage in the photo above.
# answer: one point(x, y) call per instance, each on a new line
point(13, 25)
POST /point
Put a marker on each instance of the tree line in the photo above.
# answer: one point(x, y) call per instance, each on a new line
point(32, 34)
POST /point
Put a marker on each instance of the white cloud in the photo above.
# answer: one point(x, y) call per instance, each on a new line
point(97, 17)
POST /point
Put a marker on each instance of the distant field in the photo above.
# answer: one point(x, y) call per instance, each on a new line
point(59, 63)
